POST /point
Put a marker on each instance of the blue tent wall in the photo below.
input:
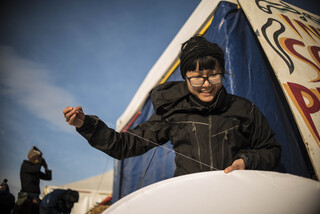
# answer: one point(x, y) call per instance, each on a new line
point(250, 76)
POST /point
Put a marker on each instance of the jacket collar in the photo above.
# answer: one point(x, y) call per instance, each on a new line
point(172, 97)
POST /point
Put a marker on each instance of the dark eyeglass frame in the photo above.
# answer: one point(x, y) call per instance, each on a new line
point(204, 79)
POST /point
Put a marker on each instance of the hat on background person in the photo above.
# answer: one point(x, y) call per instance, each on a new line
point(4, 186)
point(33, 153)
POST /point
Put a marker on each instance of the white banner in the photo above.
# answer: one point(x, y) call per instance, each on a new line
point(290, 38)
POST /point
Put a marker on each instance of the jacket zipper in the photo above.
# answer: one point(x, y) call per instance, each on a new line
point(194, 129)
point(210, 141)
point(222, 152)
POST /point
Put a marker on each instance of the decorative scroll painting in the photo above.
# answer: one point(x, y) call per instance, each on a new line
point(290, 37)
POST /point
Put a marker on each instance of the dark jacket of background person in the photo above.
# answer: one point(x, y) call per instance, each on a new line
point(231, 128)
point(30, 175)
point(59, 201)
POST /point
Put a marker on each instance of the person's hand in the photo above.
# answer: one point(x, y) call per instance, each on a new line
point(74, 116)
point(35, 159)
point(44, 163)
point(238, 164)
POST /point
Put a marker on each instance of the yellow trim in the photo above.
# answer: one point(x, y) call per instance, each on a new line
point(205, 28)
point(173, 68)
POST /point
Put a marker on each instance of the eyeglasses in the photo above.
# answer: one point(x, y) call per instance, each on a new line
point(199, 81)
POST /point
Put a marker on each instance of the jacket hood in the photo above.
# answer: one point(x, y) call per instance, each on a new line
point(174, 96)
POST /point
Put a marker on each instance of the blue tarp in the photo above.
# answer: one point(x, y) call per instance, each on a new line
point(250, 76)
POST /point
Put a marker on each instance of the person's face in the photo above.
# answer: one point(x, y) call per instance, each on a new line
point(207, 92)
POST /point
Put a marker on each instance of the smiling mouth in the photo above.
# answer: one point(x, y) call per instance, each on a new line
point(206, 92)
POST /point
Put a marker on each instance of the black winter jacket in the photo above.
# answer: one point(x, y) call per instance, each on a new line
point(30, 176)
point(204, 138)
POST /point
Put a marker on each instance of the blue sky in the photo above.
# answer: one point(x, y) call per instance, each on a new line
point(59, 53)
point(67, 53)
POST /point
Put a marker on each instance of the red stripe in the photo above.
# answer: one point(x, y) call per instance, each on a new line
point(131, 121)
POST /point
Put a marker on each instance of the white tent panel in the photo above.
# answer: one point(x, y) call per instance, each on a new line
point(194, 24)
point(101, 183)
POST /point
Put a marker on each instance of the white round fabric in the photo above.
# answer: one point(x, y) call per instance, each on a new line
point(241, 192)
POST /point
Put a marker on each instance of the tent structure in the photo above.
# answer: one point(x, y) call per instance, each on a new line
point(92, 190)
point(272, 54)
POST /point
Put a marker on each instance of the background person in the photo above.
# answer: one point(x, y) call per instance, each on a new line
point(30, 174)
point(7, 200)
point(59, 201)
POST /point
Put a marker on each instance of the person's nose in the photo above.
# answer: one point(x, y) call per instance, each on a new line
point(206, 83)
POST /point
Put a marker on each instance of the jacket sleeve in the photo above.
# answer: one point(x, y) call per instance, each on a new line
point(264, 152)
point(47, 175)
point(122, 145)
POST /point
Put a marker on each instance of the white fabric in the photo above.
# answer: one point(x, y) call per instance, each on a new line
point(241, 191)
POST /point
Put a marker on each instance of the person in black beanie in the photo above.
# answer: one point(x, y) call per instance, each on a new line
point(59, 201)
point(209, 128)
point(30, 175)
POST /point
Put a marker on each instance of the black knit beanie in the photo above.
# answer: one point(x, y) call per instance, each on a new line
point(195, 48)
